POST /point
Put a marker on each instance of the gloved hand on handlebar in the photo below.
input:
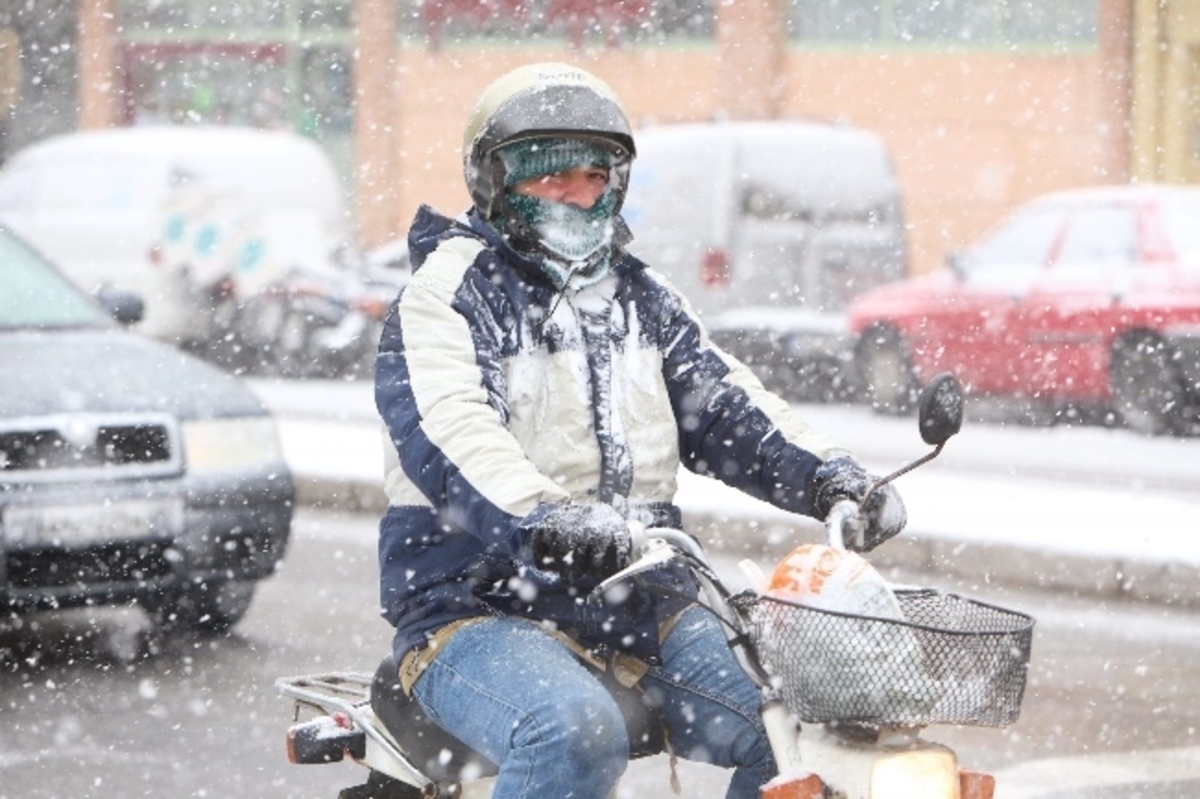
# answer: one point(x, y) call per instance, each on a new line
point(883, 514)
point(579, 538)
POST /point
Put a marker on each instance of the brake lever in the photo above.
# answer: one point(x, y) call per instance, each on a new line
point(655, 553)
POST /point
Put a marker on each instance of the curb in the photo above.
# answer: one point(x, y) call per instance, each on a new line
point(1156, 773)
point(1158, 582)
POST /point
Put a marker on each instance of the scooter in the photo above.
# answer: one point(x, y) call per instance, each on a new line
point(949, 660)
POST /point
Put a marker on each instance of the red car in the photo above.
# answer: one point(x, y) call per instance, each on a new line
point(1087, 298)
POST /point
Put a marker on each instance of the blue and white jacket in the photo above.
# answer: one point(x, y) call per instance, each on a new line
point(501, 395)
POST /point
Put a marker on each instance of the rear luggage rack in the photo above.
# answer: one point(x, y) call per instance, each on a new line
point(342, 701)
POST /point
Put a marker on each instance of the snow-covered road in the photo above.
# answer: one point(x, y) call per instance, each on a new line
point(1083, 508)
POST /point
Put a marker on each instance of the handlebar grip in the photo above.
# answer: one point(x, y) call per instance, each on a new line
point(844, 518)
point(655, 546)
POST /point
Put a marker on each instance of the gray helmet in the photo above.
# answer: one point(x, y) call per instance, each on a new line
point(541, 100)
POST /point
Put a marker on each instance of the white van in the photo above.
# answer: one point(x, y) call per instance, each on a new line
point(102, 205)
point(770, 229)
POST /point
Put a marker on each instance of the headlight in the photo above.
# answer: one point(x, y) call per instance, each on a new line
point(920, 774)
point(227, 445)
point(860, 770)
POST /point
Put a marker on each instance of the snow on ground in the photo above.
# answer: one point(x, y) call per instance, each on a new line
point(1036, 514)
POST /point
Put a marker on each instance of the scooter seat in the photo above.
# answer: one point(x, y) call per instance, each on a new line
point(439, 755)
point(443, 758)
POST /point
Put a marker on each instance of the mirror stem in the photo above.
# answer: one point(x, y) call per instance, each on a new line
point(901, 471)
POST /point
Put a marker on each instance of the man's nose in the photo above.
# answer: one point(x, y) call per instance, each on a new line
point(581, 191)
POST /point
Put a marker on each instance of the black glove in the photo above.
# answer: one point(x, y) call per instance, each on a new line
point(883, 513)
point(578, 538)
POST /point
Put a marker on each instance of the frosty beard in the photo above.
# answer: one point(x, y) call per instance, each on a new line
point(573, 241)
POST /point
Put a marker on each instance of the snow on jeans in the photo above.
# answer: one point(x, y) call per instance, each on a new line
point(521, 698)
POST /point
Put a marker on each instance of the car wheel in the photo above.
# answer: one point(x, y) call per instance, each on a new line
point(886, 372)
point(1147, 390)
point(211, 607)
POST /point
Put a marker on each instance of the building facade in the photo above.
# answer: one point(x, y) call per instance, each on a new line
point(984, 103)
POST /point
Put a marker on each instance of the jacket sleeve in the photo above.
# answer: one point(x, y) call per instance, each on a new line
point(730, 426)
point(438, 388)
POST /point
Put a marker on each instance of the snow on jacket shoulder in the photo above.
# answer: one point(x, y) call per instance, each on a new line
point(500, 394)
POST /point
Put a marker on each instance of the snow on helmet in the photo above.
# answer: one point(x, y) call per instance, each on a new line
point(541, 100)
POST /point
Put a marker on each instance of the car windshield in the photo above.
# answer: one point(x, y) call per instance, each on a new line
point(35, 295)
point(1179, 219)
point(1017, 252)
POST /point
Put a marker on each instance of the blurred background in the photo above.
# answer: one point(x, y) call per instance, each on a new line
point(855, 194)
point(984, 103)
point(976, 107)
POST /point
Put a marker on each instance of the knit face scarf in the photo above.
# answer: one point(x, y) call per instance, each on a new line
point(573, 241)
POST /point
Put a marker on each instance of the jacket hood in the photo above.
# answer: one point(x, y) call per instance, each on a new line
point(111, 371)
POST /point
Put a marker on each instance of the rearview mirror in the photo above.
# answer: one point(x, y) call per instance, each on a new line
point(940, 410)
point(124, 306)
point(940, 415)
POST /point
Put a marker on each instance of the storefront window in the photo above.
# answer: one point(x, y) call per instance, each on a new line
point(1036, 24)
point(948, 21)
point(1064, 21)
point(160, 14)
point(325, 90)
point(441, 22)
point(288, 67)
point(243, 15)
point(326, 15)
point(181, 15)
point(196, 83)
point(836, 20)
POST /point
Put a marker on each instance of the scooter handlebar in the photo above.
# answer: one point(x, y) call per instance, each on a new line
point(656, 545)
point(845, 524)
point(659, 545)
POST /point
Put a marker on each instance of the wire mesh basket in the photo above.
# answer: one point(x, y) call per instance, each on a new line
point(951, 660)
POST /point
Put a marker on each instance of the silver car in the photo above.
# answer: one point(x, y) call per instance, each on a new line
point(129, 472)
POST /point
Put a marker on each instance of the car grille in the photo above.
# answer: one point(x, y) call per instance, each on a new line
point(109, 563)
point(72, 447)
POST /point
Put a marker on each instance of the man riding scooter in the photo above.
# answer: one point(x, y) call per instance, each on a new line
point(540, 388)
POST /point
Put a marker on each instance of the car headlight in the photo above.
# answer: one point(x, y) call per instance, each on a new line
point(226, 445)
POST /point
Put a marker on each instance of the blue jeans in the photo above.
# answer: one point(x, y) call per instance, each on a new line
point(519, 697)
